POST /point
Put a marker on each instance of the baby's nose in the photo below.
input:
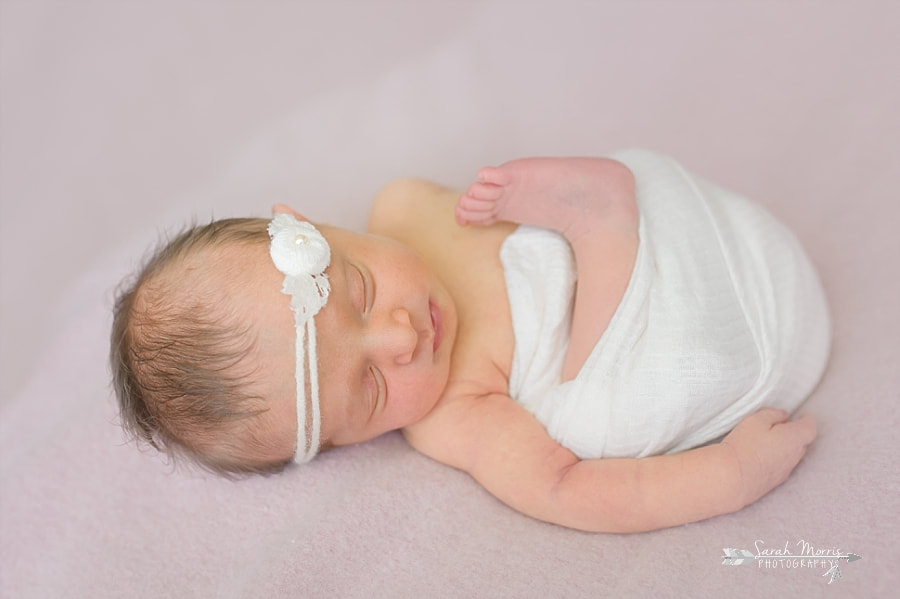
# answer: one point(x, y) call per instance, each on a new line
point(399, 338)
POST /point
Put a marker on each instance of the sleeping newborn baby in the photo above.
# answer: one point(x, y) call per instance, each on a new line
point(574, 333)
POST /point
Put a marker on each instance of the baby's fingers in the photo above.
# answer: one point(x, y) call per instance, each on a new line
point(803, 428)
point(771, 416)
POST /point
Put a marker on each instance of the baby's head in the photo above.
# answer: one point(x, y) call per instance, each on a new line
point(245, 345)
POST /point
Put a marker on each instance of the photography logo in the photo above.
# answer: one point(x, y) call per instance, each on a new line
point(804, 557)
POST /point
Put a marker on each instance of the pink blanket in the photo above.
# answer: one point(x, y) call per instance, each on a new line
point(121, 119)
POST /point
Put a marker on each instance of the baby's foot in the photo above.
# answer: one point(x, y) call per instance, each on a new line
point(568, 195)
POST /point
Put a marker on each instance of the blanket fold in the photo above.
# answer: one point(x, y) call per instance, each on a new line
point(723, 315)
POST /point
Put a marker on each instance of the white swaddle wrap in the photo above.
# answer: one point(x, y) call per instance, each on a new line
point(723, 315)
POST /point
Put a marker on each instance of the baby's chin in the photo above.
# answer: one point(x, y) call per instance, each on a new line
point(416, 410)
point(426, 403)
point(411, 415)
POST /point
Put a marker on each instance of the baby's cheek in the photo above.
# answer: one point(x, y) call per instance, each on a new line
point(335, 429)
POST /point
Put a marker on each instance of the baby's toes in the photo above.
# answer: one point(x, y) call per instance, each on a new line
point(494, 175)
point(475, 211)
point(476, 203)
point(485, 192)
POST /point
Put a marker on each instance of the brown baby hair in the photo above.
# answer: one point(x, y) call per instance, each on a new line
point(178, 357)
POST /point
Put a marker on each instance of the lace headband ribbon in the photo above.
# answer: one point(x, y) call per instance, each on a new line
point(302, 254)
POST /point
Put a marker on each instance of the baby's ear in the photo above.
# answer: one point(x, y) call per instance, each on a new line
point(283, 209)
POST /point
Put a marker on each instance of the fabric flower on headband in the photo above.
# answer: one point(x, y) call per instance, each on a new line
point(301, 253)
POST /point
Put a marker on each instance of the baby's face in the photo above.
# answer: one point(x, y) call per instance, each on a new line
point(384, 339)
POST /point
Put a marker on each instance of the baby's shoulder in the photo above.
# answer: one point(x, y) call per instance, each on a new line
point(421, 215)
point(411, 207)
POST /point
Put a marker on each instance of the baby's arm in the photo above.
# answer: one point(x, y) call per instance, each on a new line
point(509, 452)
point(590, 201)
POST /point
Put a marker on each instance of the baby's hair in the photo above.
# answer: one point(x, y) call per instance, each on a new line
point(178, 357)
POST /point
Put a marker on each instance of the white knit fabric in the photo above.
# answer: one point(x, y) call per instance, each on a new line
point(723, 315)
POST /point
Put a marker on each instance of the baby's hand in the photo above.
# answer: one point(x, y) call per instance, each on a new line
point(768, 447)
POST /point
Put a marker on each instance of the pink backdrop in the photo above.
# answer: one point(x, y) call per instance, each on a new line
point(119, 120)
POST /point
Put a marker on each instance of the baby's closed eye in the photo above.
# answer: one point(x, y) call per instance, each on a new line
point(372, 390)
point(359, 292)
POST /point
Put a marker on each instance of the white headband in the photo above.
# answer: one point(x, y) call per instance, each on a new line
point(302, 254)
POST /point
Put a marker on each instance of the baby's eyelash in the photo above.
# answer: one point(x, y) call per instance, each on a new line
point(375, 391)
point(364, 293)
point(368, 286)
